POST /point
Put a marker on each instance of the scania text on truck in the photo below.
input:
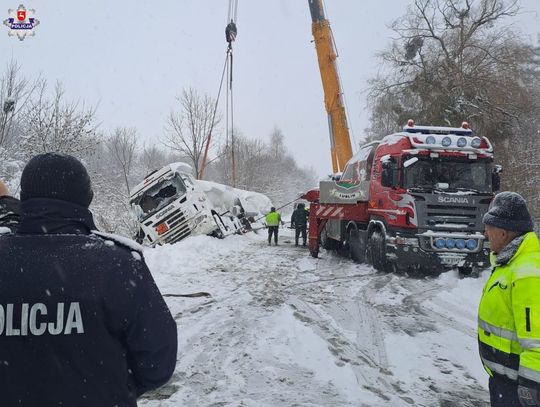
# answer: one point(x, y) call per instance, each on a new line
point(414, 199)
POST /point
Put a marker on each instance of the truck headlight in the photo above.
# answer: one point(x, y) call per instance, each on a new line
point(476, 142)
point(440, 243)
point(460, 244)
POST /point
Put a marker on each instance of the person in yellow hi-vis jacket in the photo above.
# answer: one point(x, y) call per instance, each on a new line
point(273, 219)
point(509, 311)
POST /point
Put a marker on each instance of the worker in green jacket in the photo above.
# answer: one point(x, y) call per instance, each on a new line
point(509, 311)
point(273, 219)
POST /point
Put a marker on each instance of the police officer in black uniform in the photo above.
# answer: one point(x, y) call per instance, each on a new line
point(82, 322)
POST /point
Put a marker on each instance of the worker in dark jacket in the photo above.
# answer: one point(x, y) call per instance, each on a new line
point(82, 322)
point(509, 310)
point(299, 222)
point(9, 209)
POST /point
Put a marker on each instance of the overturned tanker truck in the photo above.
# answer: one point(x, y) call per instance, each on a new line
point(415, 200)
point(170, 205)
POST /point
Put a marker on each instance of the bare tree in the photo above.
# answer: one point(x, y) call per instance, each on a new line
point(189, 127)
point(15, 92)
point(152, 158)
point(54, 124)
point(122, 146)
point(264, 167)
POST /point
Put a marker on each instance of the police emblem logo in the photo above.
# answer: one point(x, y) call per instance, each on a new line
point(21, 22)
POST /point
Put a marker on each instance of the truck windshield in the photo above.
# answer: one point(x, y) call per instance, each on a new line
point(158, 196)
point(459, 175)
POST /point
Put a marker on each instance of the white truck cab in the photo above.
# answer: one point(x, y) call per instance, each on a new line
point(170, 205)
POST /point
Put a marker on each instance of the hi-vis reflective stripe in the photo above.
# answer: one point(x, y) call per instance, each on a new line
point(529, 343)
point(329, 211)
point(500, 369)
point(495, 330)
point(530, 374)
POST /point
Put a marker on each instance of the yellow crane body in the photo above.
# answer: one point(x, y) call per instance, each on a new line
point(340, 142)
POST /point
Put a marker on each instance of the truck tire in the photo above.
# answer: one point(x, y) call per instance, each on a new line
point(377, 251)
point(469, 271)
point(327, 242)
point(356, 250)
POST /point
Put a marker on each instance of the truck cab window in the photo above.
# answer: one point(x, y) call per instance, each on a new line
point(160, 195)
point(459, 175)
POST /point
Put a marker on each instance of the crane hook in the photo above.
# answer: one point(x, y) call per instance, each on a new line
point(230, 32)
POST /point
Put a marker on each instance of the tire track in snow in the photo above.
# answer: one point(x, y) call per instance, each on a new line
point(214, 371)
point(223, 363)
point(414, 315)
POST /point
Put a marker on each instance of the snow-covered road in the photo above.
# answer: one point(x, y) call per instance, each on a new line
point(284, 329)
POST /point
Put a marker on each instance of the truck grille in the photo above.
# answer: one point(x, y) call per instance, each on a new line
point(451, 222)
point(178, 227)
point(451, 217)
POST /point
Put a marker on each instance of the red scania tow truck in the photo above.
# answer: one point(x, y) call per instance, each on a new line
point(413, 200)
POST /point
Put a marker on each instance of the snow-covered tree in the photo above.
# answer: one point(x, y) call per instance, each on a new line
point(268, 168)
point(15, 92)
point(122, 146)
point(153, 158)
point(454, 60)
point(54, 124)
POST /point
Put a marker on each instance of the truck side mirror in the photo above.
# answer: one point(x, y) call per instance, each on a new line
point(496, 177)
point(495, 181)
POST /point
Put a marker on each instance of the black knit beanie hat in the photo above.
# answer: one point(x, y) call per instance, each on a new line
point(509, 211)
point(56, 176)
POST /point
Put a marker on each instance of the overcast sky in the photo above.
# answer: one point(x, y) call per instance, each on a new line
point(134, 57)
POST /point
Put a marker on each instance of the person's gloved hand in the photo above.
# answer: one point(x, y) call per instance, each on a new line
point(528, 396)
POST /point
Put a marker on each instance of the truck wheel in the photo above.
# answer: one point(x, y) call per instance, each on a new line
point(377, 251)
point(469, 271)
point(356, 251)
point(465, 271)
point(327, 242)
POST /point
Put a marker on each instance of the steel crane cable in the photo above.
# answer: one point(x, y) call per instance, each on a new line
point(233, 10)
point(231, 111)
point(205, 157)
point(230, 36)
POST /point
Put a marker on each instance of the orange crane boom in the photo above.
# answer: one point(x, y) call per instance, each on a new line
point(340, 141)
